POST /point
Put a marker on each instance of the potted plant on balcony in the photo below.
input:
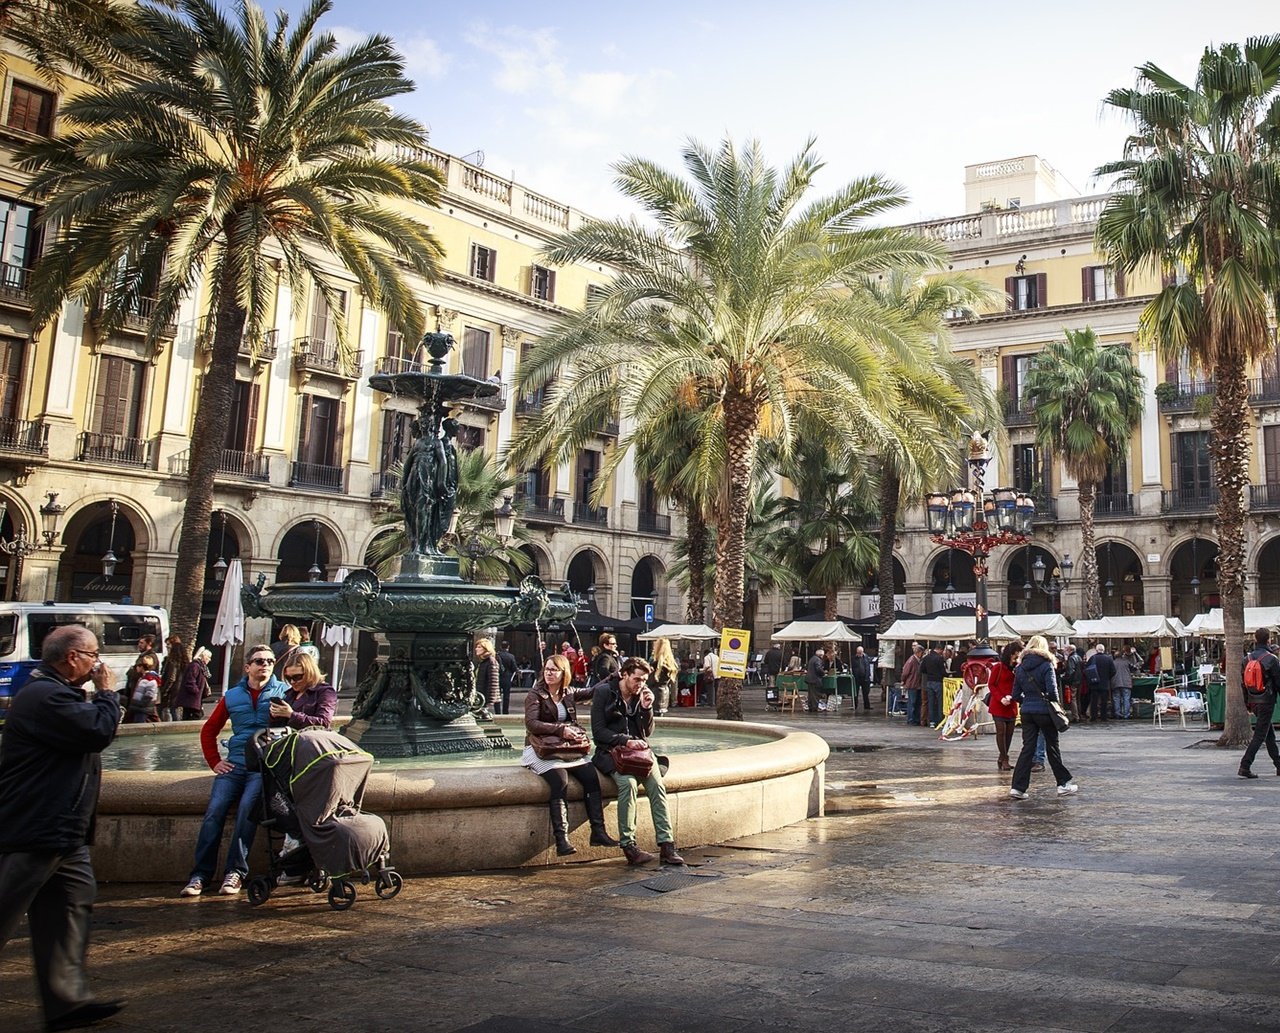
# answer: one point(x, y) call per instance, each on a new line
point(1166, 392)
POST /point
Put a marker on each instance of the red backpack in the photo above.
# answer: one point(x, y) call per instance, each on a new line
point(1255, 677)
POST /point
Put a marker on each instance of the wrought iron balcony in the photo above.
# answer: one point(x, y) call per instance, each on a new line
point(1046, 509)
point(494, 403)
point(1113, 505)
point(1187, 397)
point(531, 404)
point(541, 509)
point(1199, 500)
point(385, 485)
point(268, 343)
point(583, 513)
point(393, 364)
point(27, 437)
point(1264, 391)
point(137, 317)
point(15, 285)
point(1264, 497)
point(1017, 414)
point(653, 523)
point(114, 449)
point(317, 355)
point(249, 466)
point(317, 476)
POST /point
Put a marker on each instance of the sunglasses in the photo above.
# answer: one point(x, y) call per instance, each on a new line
point(263, 661)
point(291, 678)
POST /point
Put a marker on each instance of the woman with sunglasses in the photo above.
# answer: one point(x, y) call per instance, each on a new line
point(309, 702)
point(548, 711)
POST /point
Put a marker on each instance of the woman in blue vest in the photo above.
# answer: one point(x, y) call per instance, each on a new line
point(247, 704)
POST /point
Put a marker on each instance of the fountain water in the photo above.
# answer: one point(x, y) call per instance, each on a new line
point(423, 700)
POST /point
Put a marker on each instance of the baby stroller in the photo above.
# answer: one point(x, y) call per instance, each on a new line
point(312, 785)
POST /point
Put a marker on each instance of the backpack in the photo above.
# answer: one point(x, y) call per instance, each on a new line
point(1255, 677)
point(1091, 674)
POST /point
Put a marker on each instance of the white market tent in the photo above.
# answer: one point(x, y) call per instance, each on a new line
point(1002, 628)
point(1146, 626)
point(1024, 625)
point(815, 631)
point(1210, 624)
point(909, 629)
point(692, 632)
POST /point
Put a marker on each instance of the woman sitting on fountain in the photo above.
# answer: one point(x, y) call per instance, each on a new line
point(550, 717)
point(310, 701)
point(622, 713)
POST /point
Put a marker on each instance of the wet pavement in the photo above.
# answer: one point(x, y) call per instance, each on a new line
point(925, 900)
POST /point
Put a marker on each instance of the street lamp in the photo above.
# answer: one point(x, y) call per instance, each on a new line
point(1053, 583)
point(315, 573)
point(220, 565)
point(109, 560)
point(504, 520)
point(20, 546)
point(976, 521)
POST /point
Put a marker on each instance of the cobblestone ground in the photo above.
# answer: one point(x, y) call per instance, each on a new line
point(925, 900)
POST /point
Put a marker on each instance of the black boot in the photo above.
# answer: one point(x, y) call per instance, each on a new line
point(669, 854)
point(1244, 772)
point(560, 826)
point(595, 814)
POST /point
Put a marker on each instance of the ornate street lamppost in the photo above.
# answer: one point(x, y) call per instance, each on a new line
point(109, 560)
point(976, 521)
point(20, 546)
point(1053, 583)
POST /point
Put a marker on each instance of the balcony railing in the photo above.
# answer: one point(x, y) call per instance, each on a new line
point(1016, 414)
point(15, 284)
point(495, 403)
point(114, 449)
point(268, 343)
point(531, 404)
point(583, 513)
point(610, 429)
point(541, 509)
point(251, 466)
point(317, 476)
point(137, 317)
point(1264, 496)
point(1105, 505)
point(317, 355)
point(1046, 509)
point(1264, 390)
point(28, 437)
point(1199, 500)
point(385, 485)
point(1187, 398)
point(654, 523)
point(393, 364)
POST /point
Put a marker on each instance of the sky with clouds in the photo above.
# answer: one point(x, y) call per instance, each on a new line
point(554, 94)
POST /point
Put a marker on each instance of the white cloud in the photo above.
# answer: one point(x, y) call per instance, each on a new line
point(424, 58)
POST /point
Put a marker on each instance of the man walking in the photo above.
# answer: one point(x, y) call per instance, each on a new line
point(933, 669)
point(50, 772)
point(862, 678)
point(912, 679)
point(1262, 705)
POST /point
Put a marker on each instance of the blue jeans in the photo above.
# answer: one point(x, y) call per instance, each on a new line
point(227, 788)
point(913, 706)
point(1122, 698)
point(1039, 755)
point(933, 690)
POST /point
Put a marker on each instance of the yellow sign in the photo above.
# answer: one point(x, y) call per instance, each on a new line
point(734, 644)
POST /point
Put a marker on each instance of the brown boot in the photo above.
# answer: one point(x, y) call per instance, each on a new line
point(669, 854)
point(637, 856)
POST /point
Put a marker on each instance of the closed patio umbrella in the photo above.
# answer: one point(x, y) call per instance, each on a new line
point(228, 628)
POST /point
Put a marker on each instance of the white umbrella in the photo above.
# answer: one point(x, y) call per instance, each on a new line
point(228, 628)
point(337, 635)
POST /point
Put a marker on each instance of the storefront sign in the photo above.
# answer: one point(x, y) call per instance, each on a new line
point(89, 588)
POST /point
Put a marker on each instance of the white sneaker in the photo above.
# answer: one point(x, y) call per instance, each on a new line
point(1017, 794)
point(1067, 788)
point(192, 889)
point(231, 884)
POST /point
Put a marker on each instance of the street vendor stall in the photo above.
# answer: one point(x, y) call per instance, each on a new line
point(820, 631)
point(687, 681)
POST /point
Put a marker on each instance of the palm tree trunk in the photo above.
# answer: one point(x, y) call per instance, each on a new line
point(890, 499)
point(695, 536)
point(1229, 445)
point(831, 605)
point(213, 416)
point(742, 435)
point(1089, 553)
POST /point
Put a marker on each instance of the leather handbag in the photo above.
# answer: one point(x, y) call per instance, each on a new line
point(636, 761)
point(1060, 720)
point(573, 745)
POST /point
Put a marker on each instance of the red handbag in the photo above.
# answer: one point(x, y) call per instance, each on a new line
point(636, 761)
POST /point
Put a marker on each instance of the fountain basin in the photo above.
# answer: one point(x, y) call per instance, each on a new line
point(444, 819)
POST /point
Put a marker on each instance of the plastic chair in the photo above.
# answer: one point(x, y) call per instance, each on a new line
point(1193, 702)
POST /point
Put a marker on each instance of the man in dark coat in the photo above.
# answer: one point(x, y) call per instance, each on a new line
point(1262, 706)
point(772, 663)
point(819, 664)
point(50, 771)
point(861, 671)
point(1099, 670)
point(933, 669)
point(507, 669)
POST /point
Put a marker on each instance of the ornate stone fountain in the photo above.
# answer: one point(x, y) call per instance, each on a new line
point(423, 700)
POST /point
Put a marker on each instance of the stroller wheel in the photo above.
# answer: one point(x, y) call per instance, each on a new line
point(388, 885)
point(259, 890)
point(341, 895)
point(319, 881)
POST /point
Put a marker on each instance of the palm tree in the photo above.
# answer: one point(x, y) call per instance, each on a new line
point(229, 143)
point(942, 399)
point(482, 556)
point(1200, 196)
point(66, 35)
point(1087, 400)
point(745, 292)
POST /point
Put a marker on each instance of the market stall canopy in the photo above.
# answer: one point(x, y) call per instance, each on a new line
point(816, 631)
point(1255, 617)
point(1146, 626)
point(937, 629)
point(1024, 625)
point(908, 630)
point(693, 632)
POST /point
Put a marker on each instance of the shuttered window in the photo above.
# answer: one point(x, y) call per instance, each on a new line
point(475, 352)
point(117, 402)
point(542, 283)
point(1101, 283)
point(397, 436)
point(1271, 453)
point(30, 110)
point(1027, 292)
point(484, 262)
point(324, 319)
point(242, 433)
point(1192, 470)
point(11, 351)
point(320, 430)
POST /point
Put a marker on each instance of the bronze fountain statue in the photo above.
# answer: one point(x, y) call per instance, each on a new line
point(423, 699)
